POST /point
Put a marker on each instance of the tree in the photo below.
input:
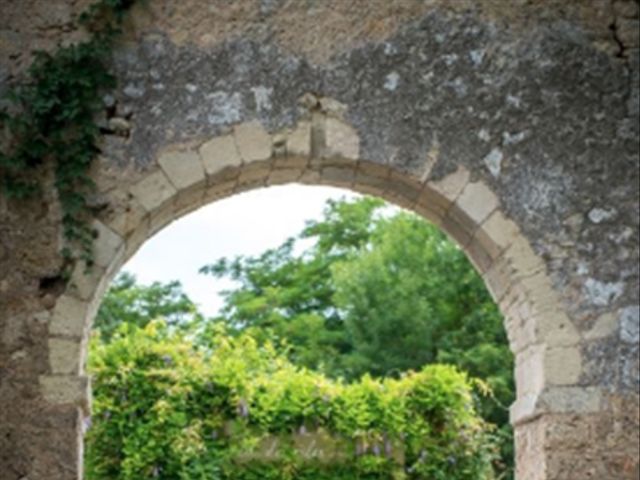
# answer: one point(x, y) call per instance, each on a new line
point(288, 297)
point(126, 302)
point(374, 294)
point(412, 298)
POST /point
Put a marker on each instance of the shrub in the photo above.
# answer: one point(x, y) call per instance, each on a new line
point(165, 408)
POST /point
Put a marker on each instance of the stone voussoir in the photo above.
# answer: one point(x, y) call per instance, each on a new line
point(107, 245)
point(65, 356)
point(341, 140)
point(69, 317)
point(219, 153)
point(477, 201)
point(182, 168)
point(252, 141)
point(153, 190)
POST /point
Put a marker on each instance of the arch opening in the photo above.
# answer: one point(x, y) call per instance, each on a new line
point(540, 336)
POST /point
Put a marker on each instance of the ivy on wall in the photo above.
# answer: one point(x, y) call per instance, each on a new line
point(51, 120)
point(166, 408)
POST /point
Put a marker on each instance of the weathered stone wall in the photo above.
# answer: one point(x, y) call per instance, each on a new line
point(512, 125)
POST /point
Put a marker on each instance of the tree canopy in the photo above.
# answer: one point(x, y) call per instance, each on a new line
point(129, 303)
point(377, 292)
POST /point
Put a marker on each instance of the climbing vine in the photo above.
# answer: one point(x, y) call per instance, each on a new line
point(51, 121)
point(170, 405)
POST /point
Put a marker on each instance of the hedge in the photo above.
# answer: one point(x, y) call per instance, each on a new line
point(165, 407)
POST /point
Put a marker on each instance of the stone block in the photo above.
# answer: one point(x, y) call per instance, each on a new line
point(189, 199)
point(67, 389)
point(477, 201)
point(431, 213)
point(253, 141)
point(398, 200)
point(284, 175)
point(183, 169)
point(477, 251)
point(530, 370)
point(84, 281)
point(486, 243)
point(369, 189)
point(523, 259)
point(311, 177)
point(225, 175)
point(299, 140)
point(433, 200)
point(332, 107)
point(279, 145)
point(374, 170)
point(65, 356)
point(365, 180)
point(555, 401)
point(153, 190)
point(291, 162)
point(578, 400)
point(341, 140)
point(125, 212)
point(405, 189)
point(605, 325)
point(450, 186)
point(338, 177)
point(162, 216)
point(218, 191)
point(106, 245)
point(458, 225)
point(69, 317)
point(554, 328)
point(521, 330)
point(136, 238)
point(254, 175)
point(563, 366)
point(500, 230)
point(219, 153)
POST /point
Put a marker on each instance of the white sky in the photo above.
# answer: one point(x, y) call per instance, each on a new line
point(244, 224)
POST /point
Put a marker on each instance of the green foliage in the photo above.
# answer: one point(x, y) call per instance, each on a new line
point(167, 409)
point(412, 298)
point(289, 298)
point(375, 294)
point(129, 303)
point(51, 120)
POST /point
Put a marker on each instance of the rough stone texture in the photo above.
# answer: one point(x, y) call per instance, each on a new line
point(218, 153)
point(253, 142)
point(153, 190)
point(511, 125)
point(182, 168)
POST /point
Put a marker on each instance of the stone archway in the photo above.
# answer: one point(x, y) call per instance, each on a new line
point(519, 142)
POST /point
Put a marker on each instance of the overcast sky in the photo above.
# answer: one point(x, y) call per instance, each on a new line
point(244, 224)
